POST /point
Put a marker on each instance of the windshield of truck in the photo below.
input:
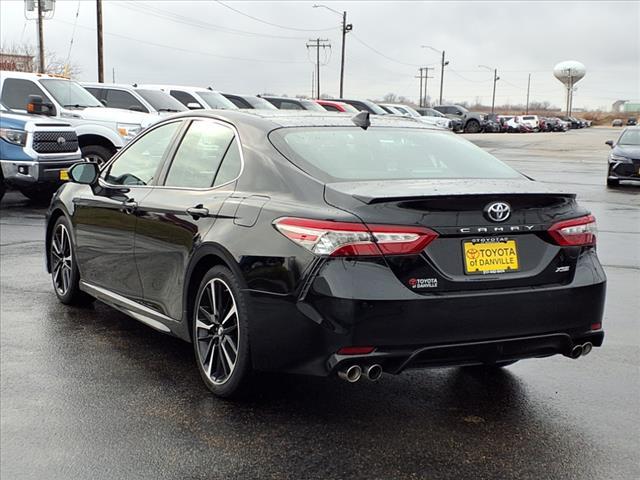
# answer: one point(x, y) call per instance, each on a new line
point(69, 94)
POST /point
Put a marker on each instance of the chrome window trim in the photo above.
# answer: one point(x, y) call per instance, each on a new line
point(239, 145)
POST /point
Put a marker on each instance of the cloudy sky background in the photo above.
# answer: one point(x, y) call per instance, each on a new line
point(205, 43)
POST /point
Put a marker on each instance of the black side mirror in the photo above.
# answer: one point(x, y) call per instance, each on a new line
point(37, 107)
point(85, 173)
point(609, 142)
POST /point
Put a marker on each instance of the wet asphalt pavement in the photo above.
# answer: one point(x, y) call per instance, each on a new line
point(91, 394)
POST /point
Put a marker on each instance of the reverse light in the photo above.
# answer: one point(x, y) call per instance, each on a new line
point(345, 239)
point(575, 232)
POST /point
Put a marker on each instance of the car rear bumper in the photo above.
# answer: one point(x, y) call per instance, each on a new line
point(456, 328)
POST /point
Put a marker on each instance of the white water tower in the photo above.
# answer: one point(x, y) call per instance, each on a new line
point(569, 73)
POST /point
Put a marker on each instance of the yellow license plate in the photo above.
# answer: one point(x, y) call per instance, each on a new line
point(490, 257)
point(64, 175)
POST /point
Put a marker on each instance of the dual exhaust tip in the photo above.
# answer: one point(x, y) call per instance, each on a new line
point(581, 350)
point(353, 373)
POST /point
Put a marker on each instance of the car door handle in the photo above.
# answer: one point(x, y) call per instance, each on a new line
point(198, 211)
point(129, 206)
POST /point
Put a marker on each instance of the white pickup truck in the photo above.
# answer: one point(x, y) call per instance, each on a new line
point(101, 131)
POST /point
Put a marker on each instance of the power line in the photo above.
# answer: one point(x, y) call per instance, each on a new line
point(274, 24)
point(73, 33)
point(187, 50)
point(385, 56)
point(174, 17)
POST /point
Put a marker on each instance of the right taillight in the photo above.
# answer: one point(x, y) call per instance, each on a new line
point(577, 232)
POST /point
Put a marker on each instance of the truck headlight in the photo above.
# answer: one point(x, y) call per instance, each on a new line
point(128, 130)
point(17, 137)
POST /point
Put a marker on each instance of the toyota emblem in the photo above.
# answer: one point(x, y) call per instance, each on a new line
point(498, 211)
point(61, 141)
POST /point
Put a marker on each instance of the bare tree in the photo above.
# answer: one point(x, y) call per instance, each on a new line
point(53, 63)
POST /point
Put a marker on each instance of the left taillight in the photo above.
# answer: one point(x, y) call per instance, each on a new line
point(575, 232)
point(346, 239)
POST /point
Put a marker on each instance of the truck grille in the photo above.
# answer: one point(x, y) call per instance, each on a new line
point(55, 142)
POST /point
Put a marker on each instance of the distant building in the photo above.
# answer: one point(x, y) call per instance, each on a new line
point(631, 107)
point(617, 105)
point(16, 63)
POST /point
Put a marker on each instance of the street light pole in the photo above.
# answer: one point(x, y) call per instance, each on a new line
point(495, 80)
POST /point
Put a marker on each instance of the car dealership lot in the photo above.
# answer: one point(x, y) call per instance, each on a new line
point(94, 394)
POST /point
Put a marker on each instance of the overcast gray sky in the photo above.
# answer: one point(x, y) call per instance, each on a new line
point(205, 43)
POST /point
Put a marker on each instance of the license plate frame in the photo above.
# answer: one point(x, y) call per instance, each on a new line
point(495, 256)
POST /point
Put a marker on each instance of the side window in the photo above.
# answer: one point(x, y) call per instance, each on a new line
point(96, 92)
point(183, 97)
point(139, 162)
point(239, 102)
point(331, 108)
point(15, 93)
point(231, 165)
point(123, 100)
point(287, 105)
point(199, 155)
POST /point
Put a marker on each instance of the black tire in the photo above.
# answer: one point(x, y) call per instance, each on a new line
point(230, 376)
point(613, 182)
point(40, 195)
point(62, 259)
point(97, 154)
point(472, 126)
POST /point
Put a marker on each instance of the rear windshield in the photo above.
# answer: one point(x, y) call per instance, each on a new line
point(216, 100)
point(385, 153)
point(529, 118)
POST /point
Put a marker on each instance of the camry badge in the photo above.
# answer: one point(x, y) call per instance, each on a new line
point(498, 211)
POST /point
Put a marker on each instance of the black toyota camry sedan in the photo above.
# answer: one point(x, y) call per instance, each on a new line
point(327, 244)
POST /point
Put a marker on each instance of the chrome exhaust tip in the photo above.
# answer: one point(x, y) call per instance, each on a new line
point(586, 348)
point(351, 374)
point(373, 372)
point(576, 351)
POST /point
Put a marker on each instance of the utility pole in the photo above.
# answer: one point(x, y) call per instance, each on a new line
point(442, 65)
point(528, 89)
point(41, 37)
point(100, 51)
point(495, 80)
point(426, 78)
point(420, 76)
point(346, 28)
point(113, 75)
point(318, 43)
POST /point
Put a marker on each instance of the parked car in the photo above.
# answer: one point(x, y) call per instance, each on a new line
point(456, 124)
point(130, 97)
point(363, 106)
point(315, 245)
point(286, 103)
point(492, 124)
point(194, 98)
point(531, 121)
point(472, 122)
point(631, 121)
point(616, 122)
point(624, 159)
point(554, 124)
point(407, 111)
point(250, 102)
point(101, 131)
point(390, 110)
point(333, 106)
point(573, 122)
point(515, 125)
point(35, 153)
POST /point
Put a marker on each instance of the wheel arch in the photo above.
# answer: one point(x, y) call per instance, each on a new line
point(84, 140)
point(207, 256)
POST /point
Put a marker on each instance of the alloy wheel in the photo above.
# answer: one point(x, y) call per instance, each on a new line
point(217, 332)
point(61, 259)
point(96, 159)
